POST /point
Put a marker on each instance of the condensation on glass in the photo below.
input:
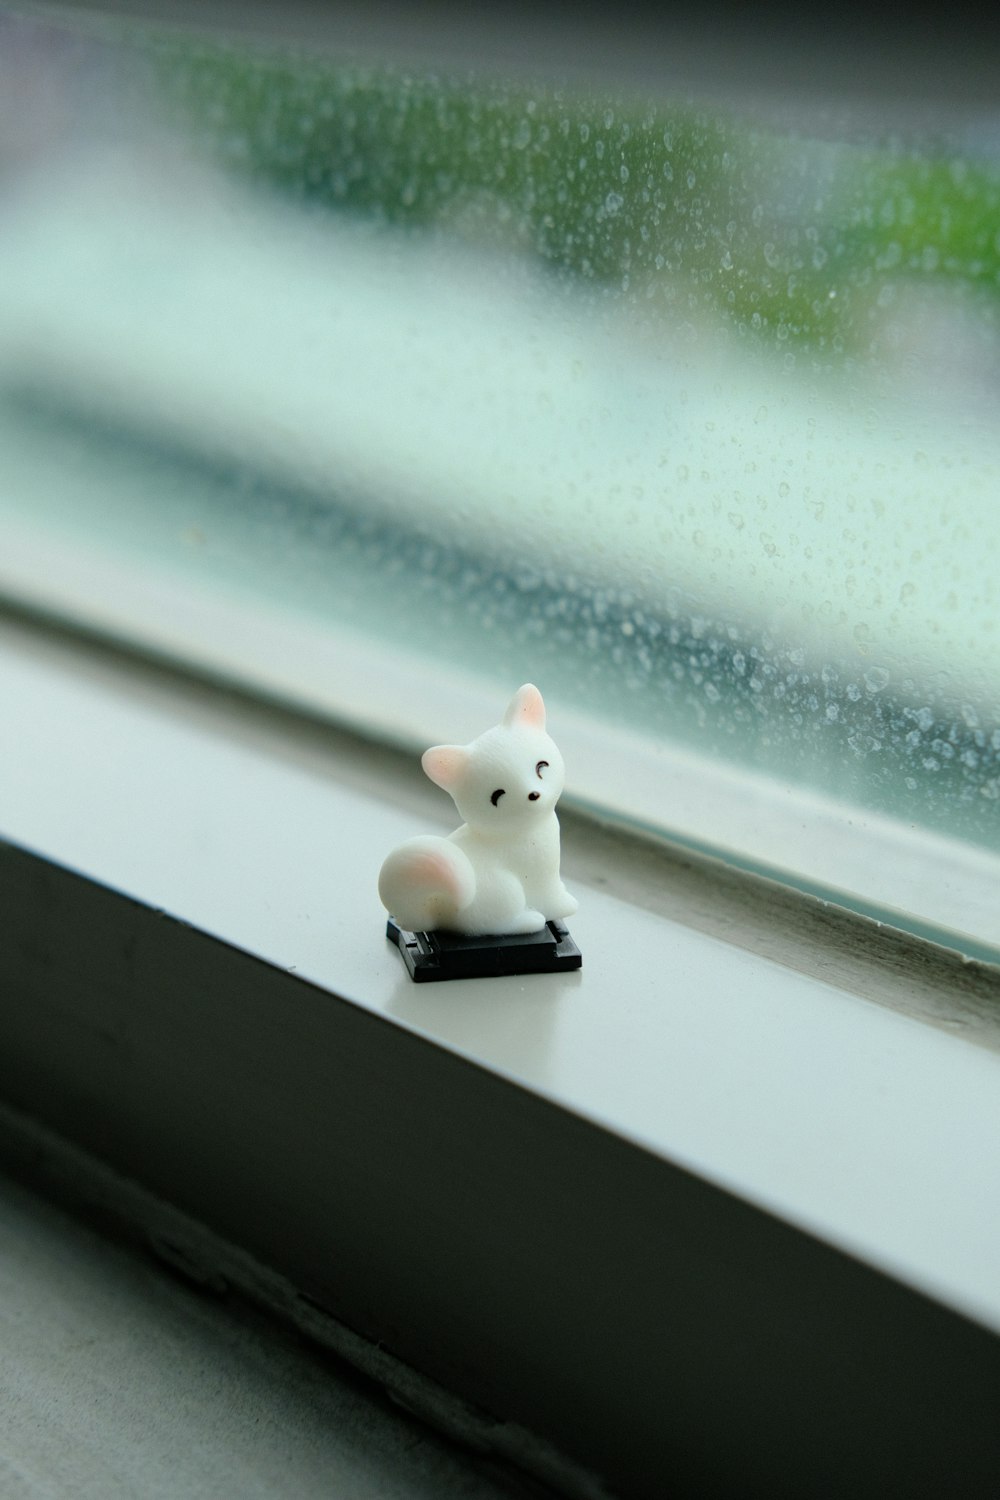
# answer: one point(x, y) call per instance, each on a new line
point(687, 411)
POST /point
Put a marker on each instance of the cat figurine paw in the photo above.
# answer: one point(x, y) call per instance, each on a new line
point(499, 872)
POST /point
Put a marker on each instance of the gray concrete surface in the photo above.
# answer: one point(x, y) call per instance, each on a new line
point(117, 1379)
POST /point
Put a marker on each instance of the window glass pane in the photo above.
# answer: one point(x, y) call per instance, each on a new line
point(685, 411)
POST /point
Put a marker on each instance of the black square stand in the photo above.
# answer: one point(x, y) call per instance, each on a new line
point(450, 955)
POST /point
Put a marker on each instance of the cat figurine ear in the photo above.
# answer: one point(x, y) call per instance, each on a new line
point(444, 764)
point(525, 709)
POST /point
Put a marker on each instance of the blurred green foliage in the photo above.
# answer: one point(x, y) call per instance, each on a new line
point(684, 213)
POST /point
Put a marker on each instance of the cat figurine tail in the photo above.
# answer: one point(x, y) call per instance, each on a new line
point(499, 872)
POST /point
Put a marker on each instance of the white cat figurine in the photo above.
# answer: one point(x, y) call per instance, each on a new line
point(499, 872)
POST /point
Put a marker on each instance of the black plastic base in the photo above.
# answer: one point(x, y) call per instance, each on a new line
point(451, 955)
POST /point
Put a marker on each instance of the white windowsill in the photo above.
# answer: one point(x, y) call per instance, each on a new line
point(877, 1132)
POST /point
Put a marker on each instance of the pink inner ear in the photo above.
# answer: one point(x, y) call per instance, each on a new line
point(526, 707)
point(443, 763)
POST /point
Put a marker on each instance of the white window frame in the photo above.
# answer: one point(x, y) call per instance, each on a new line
point(423, 1190)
